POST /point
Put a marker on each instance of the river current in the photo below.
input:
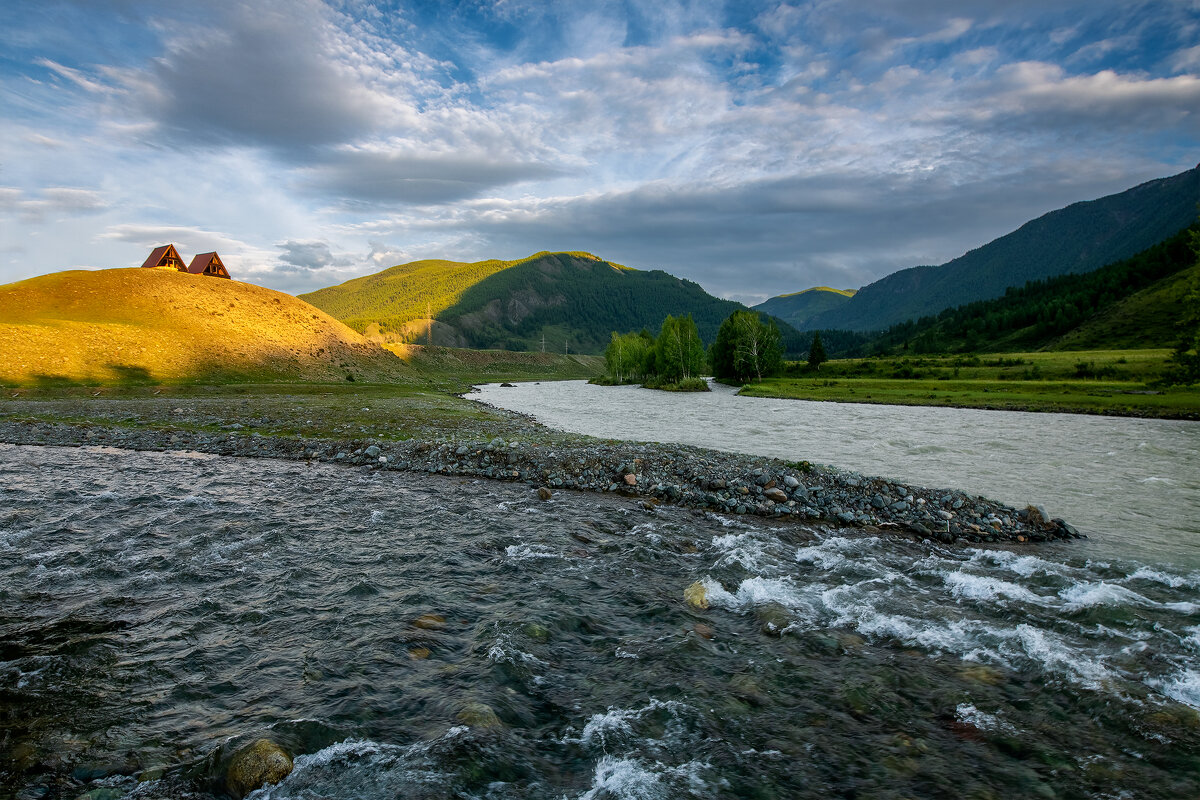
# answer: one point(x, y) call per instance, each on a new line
point(1132, 484)
point(430, 637)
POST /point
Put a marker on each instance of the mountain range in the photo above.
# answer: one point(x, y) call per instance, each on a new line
point(1080, 238)
point(574, 300)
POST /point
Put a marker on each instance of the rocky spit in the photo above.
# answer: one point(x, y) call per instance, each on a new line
point(725, 483)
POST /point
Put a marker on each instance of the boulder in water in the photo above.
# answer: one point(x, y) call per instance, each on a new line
point(696, 595)
point(478, 715)
point(430, 622)
point(257, 764)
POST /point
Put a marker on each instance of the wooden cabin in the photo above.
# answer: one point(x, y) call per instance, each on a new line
point(165, 257)
point(208, 264)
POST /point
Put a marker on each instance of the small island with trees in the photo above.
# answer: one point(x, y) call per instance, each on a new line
point(746, 348)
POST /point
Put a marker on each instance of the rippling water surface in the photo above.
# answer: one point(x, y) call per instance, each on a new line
point(1132, 484)
point(425, 637)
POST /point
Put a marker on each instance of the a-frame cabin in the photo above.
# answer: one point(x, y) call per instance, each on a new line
point(166, 256)
point(208, 264)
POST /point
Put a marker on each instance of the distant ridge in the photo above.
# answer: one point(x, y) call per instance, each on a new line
point(797, 308)
point(1079, 238)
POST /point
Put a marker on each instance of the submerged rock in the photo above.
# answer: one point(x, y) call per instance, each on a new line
point(258, 764)
point(696, 595)
point(478, 715)
point(430, 622)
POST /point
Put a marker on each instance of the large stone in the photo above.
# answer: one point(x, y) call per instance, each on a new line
point(696, 595)
point(478, 715)
point(258, 764)
point(776, 495)
point(372, 452)
point(430, 622)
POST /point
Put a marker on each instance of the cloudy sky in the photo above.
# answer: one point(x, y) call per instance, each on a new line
point(756, 148)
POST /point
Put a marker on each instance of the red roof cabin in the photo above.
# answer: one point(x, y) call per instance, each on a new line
point(208, 264)
point(166, 256)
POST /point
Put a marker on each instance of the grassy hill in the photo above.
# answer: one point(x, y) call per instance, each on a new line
point(395, 302)
point(1132, 303)
point(1079, 238)
point(574, 300)
point(152, 326)
point(798, 308)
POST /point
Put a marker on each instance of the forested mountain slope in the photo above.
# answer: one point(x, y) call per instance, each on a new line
point(1079, 238)
point(1133, 303)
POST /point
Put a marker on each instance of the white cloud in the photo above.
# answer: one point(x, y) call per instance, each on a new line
point(76, 77)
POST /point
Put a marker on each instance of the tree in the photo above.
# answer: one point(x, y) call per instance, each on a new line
point(816, 353)
point(625, 356)
point(678, 351)
point(746, 347)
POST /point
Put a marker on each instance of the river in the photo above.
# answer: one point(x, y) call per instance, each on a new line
point(421, 636)
point(1132, 484)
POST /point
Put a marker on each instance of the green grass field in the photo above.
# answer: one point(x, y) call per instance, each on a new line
point(1119, 382)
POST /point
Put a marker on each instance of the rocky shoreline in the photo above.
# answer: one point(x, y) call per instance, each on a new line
point(726, 483)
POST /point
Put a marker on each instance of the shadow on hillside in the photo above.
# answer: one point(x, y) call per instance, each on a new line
point(129, 374)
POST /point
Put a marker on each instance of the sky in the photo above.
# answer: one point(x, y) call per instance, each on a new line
point(754, 148)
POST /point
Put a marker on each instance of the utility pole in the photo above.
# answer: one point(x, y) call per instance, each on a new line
point(564, 347)
point(543, 341)
point(429, 321)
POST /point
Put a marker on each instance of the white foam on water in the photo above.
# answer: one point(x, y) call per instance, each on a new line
point(965, 712)
point(1024, 565)
point(358, 768)
point(1055, 655)
point(980, 587)
point(524, 552)
point(377, 516)
point(1101, 593)
point(746, 549)
point(1191, 581)
point(726, 522)
point(1192, 639)
point(1184, 686)
point(503, 651)
point(624, 778)
point(617, 722)
point(633, 779)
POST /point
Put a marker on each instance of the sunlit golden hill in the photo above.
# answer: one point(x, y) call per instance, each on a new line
point(143, 325)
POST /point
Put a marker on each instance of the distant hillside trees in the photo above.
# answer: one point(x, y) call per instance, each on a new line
point(746, 348)
point(1184, 364)
point(1036, 314)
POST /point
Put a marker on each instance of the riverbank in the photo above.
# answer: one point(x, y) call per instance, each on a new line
point(397, 428)
point(1109, 382)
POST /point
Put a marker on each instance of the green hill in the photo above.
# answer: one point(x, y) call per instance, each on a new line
point(1079, 238)
point(396, 301)
point(573, 300)
point(1132, 303)
point(798, 308)
point(161, 326)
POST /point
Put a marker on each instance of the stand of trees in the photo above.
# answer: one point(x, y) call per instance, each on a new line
point(746, 348)
point(672, 360)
